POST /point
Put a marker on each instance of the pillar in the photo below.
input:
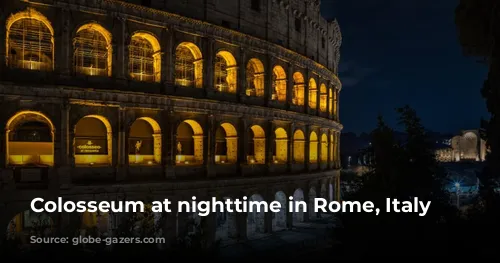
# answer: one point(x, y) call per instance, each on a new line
point(306, 91)
point(268, 79)
point(120, 48)
point(307, 145)
point(291, 149)
point(330, 149)
point(167, 58)
point(168, 143)
point(241, 86)
point(210, 158)
point(289, 85)
point(270, 139)
point(242, 142)
point(65, 46)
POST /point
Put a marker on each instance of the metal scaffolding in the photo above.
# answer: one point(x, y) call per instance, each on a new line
point(91, 53)
point(141, 60)
point(184, 67)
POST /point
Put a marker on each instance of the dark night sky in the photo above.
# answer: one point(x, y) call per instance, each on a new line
point(397, 52)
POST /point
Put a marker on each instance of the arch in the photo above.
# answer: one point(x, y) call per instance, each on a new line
point(324, 148)
point(28, 223)
point(299, 206)
point(93, 142)
point(313, 147)
point(226, 224)
point(298, 89)
point(226, 144)
point(188, 65)
point(299, 146)
point(280, 154)
point(93, 50)
point(28, 143)
point(29, 41)
point(189, 143)
point(313, 93)
point(144, 142)
point(312, 196)
point(226, 72)
point(255, 220)
point(255, 78)
point(279, 83)
point(323, 98)
point(144, 57)
point(280, 218)
point(257, 145)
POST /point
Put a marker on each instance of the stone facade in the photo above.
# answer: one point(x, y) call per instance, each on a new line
point(466, 146)
point(89, 101)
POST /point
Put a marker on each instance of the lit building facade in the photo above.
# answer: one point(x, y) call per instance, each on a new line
point(107, 100)
point(467, 146)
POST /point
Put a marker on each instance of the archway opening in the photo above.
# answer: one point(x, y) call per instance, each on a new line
point(93, 141)
point(280, 150)
point(144, 142)
point(226, 224)
point(226, 144)
point(324, 148)
point(145, 57)
point(313, 94)
point(279, 84)
point(30, 41)
point(226, 72)
point(189, 143)
point(299, 206)
point(255, 219)
point(255, 78)
point(323, 98)
point(26, 224)
point(92, 50)
point(312, 196)
point(256, 145)
point(30, 140)
point(188, 65)
point(280, 218)
point(313, 147)
point(298, 89)
point(299, 144)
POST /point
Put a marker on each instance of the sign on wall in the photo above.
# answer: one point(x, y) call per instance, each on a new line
point(94, 146)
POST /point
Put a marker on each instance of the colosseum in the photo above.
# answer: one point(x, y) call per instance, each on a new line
point(147, 100)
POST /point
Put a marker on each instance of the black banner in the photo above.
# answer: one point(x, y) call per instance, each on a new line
point(92, 146)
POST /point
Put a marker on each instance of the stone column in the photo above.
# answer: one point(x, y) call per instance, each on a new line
point(167, 59)
point(120, 44)
point(289, 85)
point(318, 97)
point(270, 139)
point(306, 91)
point(64, 46)
point(291, 149)
point(64, 152)
point(210, 158)
point(121, 149)
point(330, 149)
point(242, 143)
point(268, 79)
point(3, 36)
point(305, 214)
point(241, 88)
point(307, 145)
point(318, 150)
point(208, 63)
point(169, 141)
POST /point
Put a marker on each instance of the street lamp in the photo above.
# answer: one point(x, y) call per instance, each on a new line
point(457, 189)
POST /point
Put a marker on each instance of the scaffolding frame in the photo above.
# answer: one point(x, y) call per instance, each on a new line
point(141, 60)
point(91, 51)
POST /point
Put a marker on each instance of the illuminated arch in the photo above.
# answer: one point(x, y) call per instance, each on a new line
point(86, 153)
point(255, 78)
point(298, 89)
point(313, 147)
point(255, 219)
point(226, 144)
point(279, 83)
point(189, 143)
point(144, 142)
point(92, 50)
point(323, 98)
point(324, 148)
point(280, 146)
point(257, 145)
point(144, 57)
point(313, 93)
point(299, 146)
point(188, 65)
point(33, 152)
point(280, 217)
point(298, 214)
point(26, 222)
point(226, 72)
point(29, 41)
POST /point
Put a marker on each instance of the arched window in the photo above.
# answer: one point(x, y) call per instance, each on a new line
point(188, 65)
point(30, 140)
point(298, 89)
point(256, 145)
point(144, 58)
point(313, 93)
point(255, 78)
point(226, 72)
point(298, 146)
point(279, 83)
point(226, 144)
point(189, 144)
point(281, 146)
point(323, 98)
point(144, 142)
point(313, 148)
point(30, 41)
point(92, 50)
point(93, 141)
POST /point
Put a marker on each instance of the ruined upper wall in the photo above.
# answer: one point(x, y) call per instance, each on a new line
point(294, 24)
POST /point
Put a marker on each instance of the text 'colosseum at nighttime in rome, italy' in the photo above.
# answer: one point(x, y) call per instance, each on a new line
point(196, 106)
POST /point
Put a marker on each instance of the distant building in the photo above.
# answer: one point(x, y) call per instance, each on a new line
point(466, 146)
